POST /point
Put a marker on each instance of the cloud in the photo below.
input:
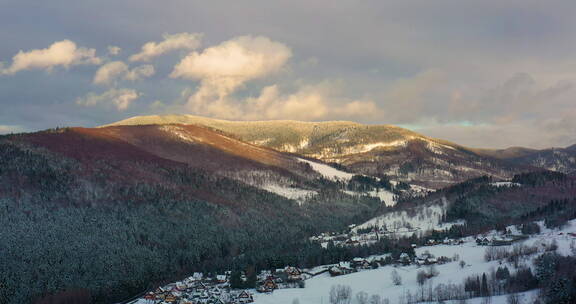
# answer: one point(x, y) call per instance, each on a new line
point(310, 102)
point(114, 50)
point(140, 72)
point(181, 41)
point(115, 70)
point(119, 98)
point(63, 53)
point(224, 68)
point(110, 72)
point(227, 67)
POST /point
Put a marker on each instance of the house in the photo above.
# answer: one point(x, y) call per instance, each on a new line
point(215, 291)
point(150, 296)
point(482, 241)
point(335, 271)
point(360, 263)
point(404, 258)
point(170, 298)
point(245, 297)
point(201, 286)
point(293, 273)
point(268, 286)
point(221, 278)
point(181, 286)
point(197, 276)
point(340, 269)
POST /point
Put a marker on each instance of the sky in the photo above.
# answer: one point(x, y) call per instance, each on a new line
point(490, 73)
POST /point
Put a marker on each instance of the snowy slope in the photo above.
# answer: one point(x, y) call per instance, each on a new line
point(403, 223)
point(385, 196)
point(327, 171)
point(288, 192)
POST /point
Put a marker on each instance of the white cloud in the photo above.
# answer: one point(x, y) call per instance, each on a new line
point(224, 68)
point(63, 53)
point(311, 102)
point(112, 71)
point(114, 50)
point(140, 72)
point(119, 98)
point(181, 41)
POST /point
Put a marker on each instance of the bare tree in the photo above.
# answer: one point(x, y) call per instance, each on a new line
point(340, 294)
point(375, 299)
point(513, 298)
point(396, 278)
point(362, 298)
point(421, 278)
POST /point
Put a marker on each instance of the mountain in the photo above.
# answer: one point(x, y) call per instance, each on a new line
point(108, 212)
point(555, 159)
point(367, 149)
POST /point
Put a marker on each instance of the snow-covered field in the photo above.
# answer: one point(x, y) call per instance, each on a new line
point(297, 194)
point(379, 281)
point(327, 171)
point(385, 196)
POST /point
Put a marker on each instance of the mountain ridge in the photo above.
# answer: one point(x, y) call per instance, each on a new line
point(374, 150)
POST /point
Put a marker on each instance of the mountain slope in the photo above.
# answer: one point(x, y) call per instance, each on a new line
point(113, 211)
point(368, 149)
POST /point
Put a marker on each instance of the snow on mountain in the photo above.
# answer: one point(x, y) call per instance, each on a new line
point(504, 184)
point(418, 220)
point(385, 196)
point(288, 192)
point(327, 171)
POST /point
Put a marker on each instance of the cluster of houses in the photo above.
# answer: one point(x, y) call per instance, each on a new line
point(445, 241)
point(197, 289)
point(348, 239)
point(371, 236)
point(360, 264)
point(496, 241)
point(288, 277)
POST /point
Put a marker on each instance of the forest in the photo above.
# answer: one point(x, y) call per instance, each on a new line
point(69, 228)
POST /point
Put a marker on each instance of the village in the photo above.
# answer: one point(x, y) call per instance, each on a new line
point(203, 288)
point(216, 289)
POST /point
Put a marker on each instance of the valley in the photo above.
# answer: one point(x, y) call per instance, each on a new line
point(151, 201)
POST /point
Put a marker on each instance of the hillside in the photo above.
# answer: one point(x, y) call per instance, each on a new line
point(368, 149)
point(120, 209)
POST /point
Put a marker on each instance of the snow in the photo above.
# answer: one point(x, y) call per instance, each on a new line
point(288, 192)
point(405, 223)
point(385, 196)
point(378, 281)
point(504, 184)
point(327, 171)
point(370, 147)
